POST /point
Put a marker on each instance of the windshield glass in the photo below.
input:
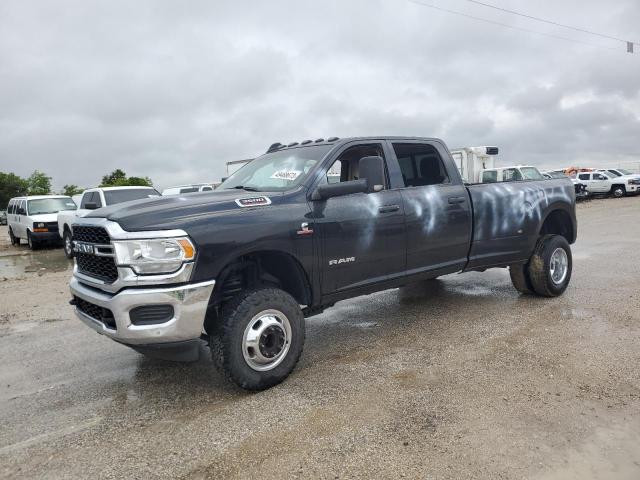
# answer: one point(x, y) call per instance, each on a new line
point(277, 171)
point(50, 205)
point(556, 175)
point(624, 171)
point(531, 173)
point(118, 196)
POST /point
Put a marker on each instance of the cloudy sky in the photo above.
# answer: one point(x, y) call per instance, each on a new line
point(173, 89)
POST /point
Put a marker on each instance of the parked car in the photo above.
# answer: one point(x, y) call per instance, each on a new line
point(242, 266)
point(34, 218)
point(580, 188)
point(603, 183)
point(510, 174)
point(94, 198)
point(3, 217)
point(192, 188)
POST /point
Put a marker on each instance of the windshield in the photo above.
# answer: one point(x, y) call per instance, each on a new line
point(50, 205)
point(277, 171)
point(126, 195)
point(624, 171)
point(531, 173)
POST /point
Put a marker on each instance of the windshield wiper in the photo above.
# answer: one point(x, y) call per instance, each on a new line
point(248, 188)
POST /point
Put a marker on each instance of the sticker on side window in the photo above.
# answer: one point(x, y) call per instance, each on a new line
point(286, 174)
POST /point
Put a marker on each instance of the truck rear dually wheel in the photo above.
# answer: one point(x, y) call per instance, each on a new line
point(550, 266)
point(259, 339)
point(519, 273)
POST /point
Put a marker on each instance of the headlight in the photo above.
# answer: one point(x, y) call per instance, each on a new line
point(163, 255)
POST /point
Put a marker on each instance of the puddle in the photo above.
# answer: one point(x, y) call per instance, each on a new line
point(32, 263)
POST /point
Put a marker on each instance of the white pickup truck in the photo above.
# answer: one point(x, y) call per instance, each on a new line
point(94, 198)
point(604, 182)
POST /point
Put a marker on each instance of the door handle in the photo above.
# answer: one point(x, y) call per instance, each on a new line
point(389, 208)
point(454, 200)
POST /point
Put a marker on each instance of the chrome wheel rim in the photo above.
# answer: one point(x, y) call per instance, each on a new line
point(67, 244)
point(559, 266)
point(266, 340)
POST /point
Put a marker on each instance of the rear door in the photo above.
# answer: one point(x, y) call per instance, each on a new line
point(362, 234)
point(437, 208)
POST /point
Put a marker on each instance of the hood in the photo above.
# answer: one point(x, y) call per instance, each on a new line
point(44, 218)
point(175, 211)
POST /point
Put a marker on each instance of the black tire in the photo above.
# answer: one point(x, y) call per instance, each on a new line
point(618, 191)
point(540, 266)
point(227, 341)
point(519, 273)
point(14, 240)
point(33, 244)
point(66, 244)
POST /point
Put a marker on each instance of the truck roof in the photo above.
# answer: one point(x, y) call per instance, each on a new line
point(38, 197)
point(337, 141)
point(106, 189)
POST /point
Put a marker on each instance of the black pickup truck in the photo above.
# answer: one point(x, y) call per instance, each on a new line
point(295, 231)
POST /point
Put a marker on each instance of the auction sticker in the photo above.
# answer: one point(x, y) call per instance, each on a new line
point(286, 174)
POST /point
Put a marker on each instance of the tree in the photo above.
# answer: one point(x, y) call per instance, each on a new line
point(118, 178)
point(11, 185)
point(39, 183)
point(71, 190)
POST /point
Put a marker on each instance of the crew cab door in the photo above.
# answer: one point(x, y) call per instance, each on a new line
point(437, 208)
point(596, 182)
point(362, 235)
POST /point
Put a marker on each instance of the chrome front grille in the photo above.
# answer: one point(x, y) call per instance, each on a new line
point(97, 266)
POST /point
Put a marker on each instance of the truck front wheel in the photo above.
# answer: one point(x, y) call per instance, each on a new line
point(67, 243)
point(550, 266)
point(260, 338)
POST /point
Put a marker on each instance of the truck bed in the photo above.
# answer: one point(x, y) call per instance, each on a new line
point(507, 217)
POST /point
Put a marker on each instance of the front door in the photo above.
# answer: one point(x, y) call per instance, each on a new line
point(362, 235)
point(437, 209)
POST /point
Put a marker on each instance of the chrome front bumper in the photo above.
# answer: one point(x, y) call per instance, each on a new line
point(189, 304)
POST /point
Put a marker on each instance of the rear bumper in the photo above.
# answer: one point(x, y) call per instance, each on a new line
point(189, 304)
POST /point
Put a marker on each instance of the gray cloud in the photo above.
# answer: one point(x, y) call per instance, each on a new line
point(174, 90)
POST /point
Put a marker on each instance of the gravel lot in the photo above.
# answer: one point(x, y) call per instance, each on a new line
point(461, 379)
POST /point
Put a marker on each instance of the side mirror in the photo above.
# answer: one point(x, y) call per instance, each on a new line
point(329, 190)
point(91, 205)
point(371, 169)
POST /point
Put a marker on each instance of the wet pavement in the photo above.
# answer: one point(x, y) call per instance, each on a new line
point(457, 378)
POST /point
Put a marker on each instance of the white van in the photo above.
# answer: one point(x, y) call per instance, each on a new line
point(194, 187)
point(35, 218)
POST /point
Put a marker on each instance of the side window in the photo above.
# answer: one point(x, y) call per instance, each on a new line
point(10, 208)
point(490, 176)
point(420, 164)
point(511, 175)
point(189, 190)
point(86, 198)
point(346, 167)
point(206, 189)
point(583, 176)
point(96, 199)
point(22, 208)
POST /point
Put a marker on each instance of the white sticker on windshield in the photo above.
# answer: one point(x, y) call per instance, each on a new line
point(286, 174)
